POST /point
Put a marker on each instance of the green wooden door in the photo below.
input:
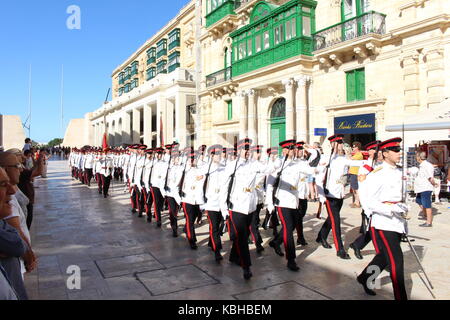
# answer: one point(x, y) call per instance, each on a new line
point(278, 123)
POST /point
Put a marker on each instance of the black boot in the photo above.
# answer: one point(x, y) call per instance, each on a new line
point(292, 265)
point(133, 210)
point(259, 248)
point(218, 256)
point(149, 218)
point(357, 251)
point(368, 291)
point(343, 255)
point(140, 214)
point(247, 273)
point(276, 248)
point(158, 224)
point(301, 241)
point(323, 242)
point(174, 233)
point(193, 245)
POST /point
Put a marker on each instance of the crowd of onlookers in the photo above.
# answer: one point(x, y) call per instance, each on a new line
point(18, 171)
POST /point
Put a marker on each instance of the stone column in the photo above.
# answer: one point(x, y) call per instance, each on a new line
point(301, 108)
point(252, 116)
point(148, 124)
point(289, 85)
point(180, 116)
point(126, 132)
point(243, 112)
point(435, 76)
point(136, 126)
point(411, 82)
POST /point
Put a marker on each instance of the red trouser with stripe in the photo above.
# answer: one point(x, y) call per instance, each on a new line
point(390, 254)
point(333, 222)
point(302, 208)
point(214, 218)
point(289, 219)
point(173, 212)
point(240, 224)
point(191, 212)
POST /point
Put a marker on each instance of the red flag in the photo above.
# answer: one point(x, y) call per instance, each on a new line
point(105, 141)
point(161, 131)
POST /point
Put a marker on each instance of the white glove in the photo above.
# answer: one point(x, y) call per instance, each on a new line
point(224, 214)
point(270, 208)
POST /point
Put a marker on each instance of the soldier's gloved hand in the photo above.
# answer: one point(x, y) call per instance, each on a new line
point(270, 208)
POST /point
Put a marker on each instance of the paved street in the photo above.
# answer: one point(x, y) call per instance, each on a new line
point(121, 256)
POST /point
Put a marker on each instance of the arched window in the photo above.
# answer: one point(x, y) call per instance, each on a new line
point(278, 109)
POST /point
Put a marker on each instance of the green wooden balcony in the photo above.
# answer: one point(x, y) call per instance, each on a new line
point(226, 8)
point(218, 77)
point(370, 22)
point(151, 60)
point(173, 67)
point(174, 44)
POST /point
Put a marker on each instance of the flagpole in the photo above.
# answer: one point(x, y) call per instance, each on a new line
point(62, 101)
point(29, 103)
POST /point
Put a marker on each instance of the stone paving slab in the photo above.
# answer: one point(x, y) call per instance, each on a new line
point(127, 265)
point(175, 279)
point(285, 291)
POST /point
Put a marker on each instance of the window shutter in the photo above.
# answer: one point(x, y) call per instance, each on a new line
point(360, 84)
point(351, 86)
point(230, 110)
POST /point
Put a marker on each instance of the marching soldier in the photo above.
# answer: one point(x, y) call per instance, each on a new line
point(303, 190)
point(367, 168)
point(157, 180)
point(138, 179)
point(88, 165)
point(211, 188)
point(283, 196)
point(171, 191)
point(191, 193)
point(131, 173)
point(98, 168)
point(148, 198)
point(239, 199)
point(260, 191)
point(383, 200)
point(106, 171)
point(334, 190)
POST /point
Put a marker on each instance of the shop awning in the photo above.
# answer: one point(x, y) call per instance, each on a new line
point(436, 118)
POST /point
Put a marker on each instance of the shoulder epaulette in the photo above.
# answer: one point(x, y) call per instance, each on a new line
point(376, 170)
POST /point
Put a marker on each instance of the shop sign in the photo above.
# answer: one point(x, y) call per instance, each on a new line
point(363, 123)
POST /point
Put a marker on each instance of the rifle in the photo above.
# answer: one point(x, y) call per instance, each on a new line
point(275, 200)
point(180, 185)
point(205, 183)
point(151, 170)
point(231, 183)
point(166, 188)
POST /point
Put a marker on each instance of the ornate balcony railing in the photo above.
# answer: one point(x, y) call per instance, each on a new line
point(367, 23)
point(218, 77)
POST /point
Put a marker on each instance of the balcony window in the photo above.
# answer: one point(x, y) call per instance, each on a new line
point(134, 68)
point(151, 73)
point(161, 48)
point(276, 32)
point(161, 67)
point(291, 28)
point(127, 88)
point(356, 85)
point(151, 55)
point(121, 91)
point(121, 78)
point(174, 61)
point(134, 83)
point(127, 73)
point(174, 39)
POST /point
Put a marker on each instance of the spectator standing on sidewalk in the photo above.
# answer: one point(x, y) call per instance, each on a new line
point(353, 174)
point(12, 247)
point(27, 145)
point(423, 187)
point(438, 175)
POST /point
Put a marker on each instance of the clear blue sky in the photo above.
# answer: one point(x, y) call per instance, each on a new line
point(35, 32)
